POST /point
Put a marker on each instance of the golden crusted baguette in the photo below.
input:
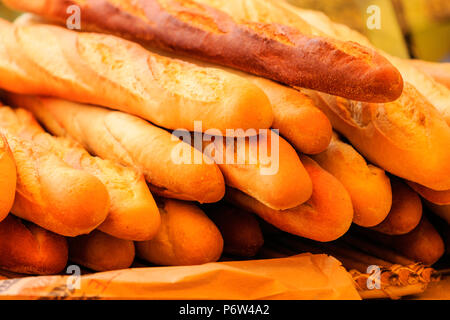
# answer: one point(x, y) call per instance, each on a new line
point(133, 213)
point(326, 216)
point(265, 167)
point(78, 205)
point(27, 248)
point(435, 92)
point(407, 137)
point(406, 211)
point(238, 38)
point(101, 252)
point(241, 232)
point(8, 177)
point(186, 237)
point(368, 185)
point(296, 117)
point(423, 244)
point(132, 142)
point(113, 72)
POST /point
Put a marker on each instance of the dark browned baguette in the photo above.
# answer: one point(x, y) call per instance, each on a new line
point(275, 51)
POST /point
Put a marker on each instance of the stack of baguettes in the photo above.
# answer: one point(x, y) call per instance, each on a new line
point(101, 184)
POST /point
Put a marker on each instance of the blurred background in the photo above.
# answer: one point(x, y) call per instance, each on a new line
point(409, 28)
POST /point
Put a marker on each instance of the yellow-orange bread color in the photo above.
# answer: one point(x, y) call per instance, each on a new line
point(54, 195)
point(265, 167)
point(407, 137)
point(101, 252)
point(368, 185)
point(241, 232)
point(186, 237)
point(436, 197)
point(7, 178)
point(113, 72)
point(27, 248)
point(132, 142)
point(326, 216)
point(133, 213)
point(405, 213)
point(423, 244)
point(295, 115)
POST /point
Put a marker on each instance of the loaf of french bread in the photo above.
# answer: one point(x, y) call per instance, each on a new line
point(99, 251)
point(186, 237)
point(417, 74)
point(326, 216)
point(112, 72)
point(234, 33)
point(27, 248)
point(133, 213)
point(265, 167)
point(132, 142)
point(54, 195)
point(406, 211)
point(368, 186)
point(408, 137)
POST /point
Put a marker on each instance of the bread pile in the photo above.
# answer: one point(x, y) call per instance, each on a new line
point(364, 137)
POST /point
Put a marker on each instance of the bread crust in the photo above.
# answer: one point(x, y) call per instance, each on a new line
point(407, 137)
point(53, 195)
point(8, 177)
point(133, 213)
point(369, 186)
point(406, 211)
point(101, 252)
point(272, 50)
point(186, 237)
point(436, 197)
point(286, 183)
point(170, 93)
point(240, 229)
point(131, 142)
point(27, 248)
point(326, 216)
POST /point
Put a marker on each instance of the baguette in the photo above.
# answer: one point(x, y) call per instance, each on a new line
point(279, 181)
point(7, 178)
point(53, 195)
point(406, 211)
point(186, 237)
point(438, 71)
point(132, 142)
point(436, 197)
point(133, 213)
point(435, 92)
point(368, 185)
point(295, 115)
point(99, 251)
point(170, 93)
point(27, 248)
point(423, 244)
point(326, 216)
point(242, 235)
point(239, 39)
point(408, 137)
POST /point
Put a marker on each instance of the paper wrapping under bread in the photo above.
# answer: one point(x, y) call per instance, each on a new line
point(304, 276)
